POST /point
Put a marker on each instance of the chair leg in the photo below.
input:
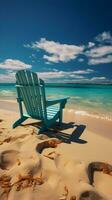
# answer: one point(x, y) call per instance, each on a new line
point(60, 117)
point(19, 121)
point(42, 129)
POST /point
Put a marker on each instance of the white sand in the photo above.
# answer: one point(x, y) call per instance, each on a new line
point(39, 167)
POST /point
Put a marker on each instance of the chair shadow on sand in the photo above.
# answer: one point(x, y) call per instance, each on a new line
point(59, 132)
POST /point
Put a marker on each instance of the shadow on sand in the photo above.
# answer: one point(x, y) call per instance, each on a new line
point(59, 132)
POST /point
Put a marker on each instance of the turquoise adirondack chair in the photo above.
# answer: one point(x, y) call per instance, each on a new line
point(31, 92)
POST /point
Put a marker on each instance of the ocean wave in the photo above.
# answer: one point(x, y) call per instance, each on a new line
point(75, 97)
point(104, 116)
point(7, 93)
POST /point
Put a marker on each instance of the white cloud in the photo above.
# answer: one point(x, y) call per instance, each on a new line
point(53, 58)
point(59, 76)
point(14, 64)
point(27, 45)
point(104, 37)
point(98, 78)
point(54, 75)
point(87, 71)
point(57, 52)
point(99, 51)
point(94, 80)
point(78, 74)
point(91, 44)
point(71, 77)
point(95, 61)
point(7, 77)
point(48, 63)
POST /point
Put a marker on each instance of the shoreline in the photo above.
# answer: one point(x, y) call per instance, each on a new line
point(82, 112)
point(100, 125)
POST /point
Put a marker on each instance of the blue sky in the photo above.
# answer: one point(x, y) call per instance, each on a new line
point(62, 40)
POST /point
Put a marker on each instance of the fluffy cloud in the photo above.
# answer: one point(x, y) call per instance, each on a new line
point(60, 76)
point(57, 52)
point(97, 52)
point(101, 52)
point(87, 71)
point(55, 75)
point(78, 74)
point(53, 58)
point(10, 66)
point(8, 77)
point(98, 78)
point(72, 77)
point(102, 60)
point(104, 37)
point(91, 44)
point(14, 65)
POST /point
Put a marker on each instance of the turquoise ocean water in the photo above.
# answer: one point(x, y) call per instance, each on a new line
point(94, 99)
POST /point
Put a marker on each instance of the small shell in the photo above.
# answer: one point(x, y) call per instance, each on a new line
point(63, 198)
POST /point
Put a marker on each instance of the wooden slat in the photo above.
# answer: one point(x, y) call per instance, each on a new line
point(32, 94)
point(21, 79)
point(52, 111)
point(37, 90)
point(28, 93)
point(19, 83)
point(43, 95)
point(53, 108)
point(37, 94)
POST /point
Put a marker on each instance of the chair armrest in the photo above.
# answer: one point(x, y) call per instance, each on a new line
point(56, 101)
point(19, 86)
point(19, 99)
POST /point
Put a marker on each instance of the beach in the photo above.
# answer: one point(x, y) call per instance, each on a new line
point(55, 100)
point(71, 162)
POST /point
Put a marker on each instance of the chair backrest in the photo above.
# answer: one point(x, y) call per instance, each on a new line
point(32, 91)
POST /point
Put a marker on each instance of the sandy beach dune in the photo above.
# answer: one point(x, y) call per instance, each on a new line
point(73, 162)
